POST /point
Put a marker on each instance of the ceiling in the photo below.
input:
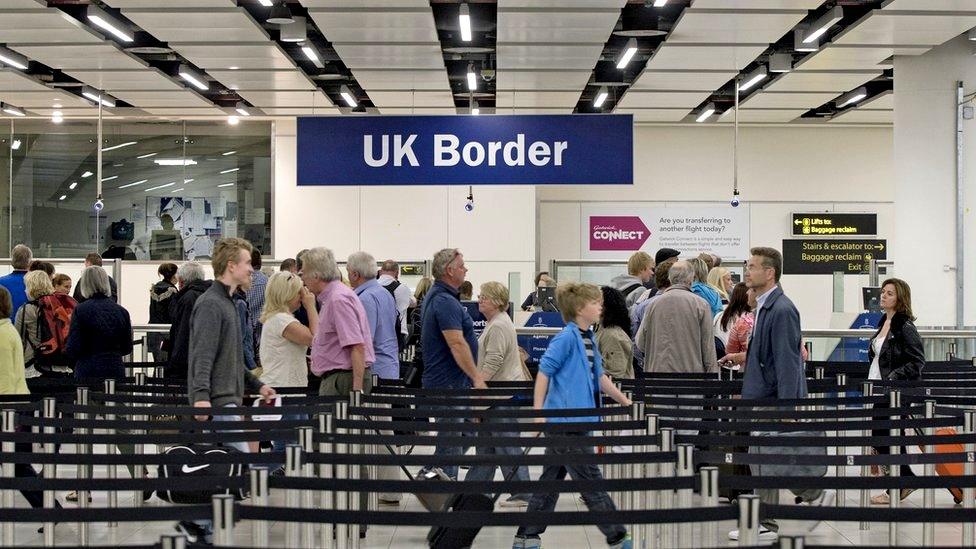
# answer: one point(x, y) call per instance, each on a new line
point(397, 57)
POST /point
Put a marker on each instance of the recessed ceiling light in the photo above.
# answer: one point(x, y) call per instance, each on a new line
point(347, 96)
point(228, 153)
point(706, 112)
point(72, 186)
point(295, 32)
point(147, 155)
point(230, 170)
point(472, 78)
point(185, 181)
point(108, 23)
point(242, 109)
point(852, 97)
point(12, 58)
point(601, 97)
point(754, 78)
point(175, 161)
point(12, 110)
point(233, 120)
point(177, 190)
point(312, 54)
point(157, 187)
point(15, 144)
point(822, 25)
point(87, 174)
point(133, 184)
point(196, 79)
point(227, 185)
point(104, 179)
point(63, 196)
point(119, 146)
point(629, 51)
point(464, 22)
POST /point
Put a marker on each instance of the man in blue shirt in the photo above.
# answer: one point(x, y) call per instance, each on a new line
point(381, 314)
point(448, 340)
point(20, 259)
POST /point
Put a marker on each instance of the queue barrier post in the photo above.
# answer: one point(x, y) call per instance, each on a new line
point(172, 541)
point(686, 468)
point(357, 499)
point(8, 418)
point(223, 520)
point(342, 472)
point(894, 494)
point(259, 498)
point(649, 498)
point(293, 469)
point(841, 451)
point(308, 528)
point(748, 520)
point(709, 494)
point(666, 498)
point(326, 425)
point(373, 449)
point(969, 469)
point(113, 471)
point(792, 542)
point(144, 343)
point(867, 389)
point(49, 411)
point(928, 494)
point(82, 398)
point(634, 470)
point(138, 469)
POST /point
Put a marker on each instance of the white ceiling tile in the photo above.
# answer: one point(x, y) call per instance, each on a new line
point(559, 26)
point(380, 4)
point(301, 111)
point(865, 116)
point(542, 80)
point(254, 55)
point(81, 56)
point(682, 80)
point(198, 24)
point(185, 111)
point(561, 4)
point(23, 4)
point(787, 100)
point(655, 115)
point(46, 99)
point(171, 4)
point(883, 28)
point(931, 5)
point(147, 79)
point(880, 102)
point(434, 79)
point(537, 99)
point(511, 56)
point(422, 98)
point(141, 99)
point(732, 58)
point(835, 57)
point(263, 80)
point(662, 99)
point(361, 25)
point(389, 56)
point(42, 26)
point(810, 81)
point(726, 27)
point(435, 111)
point(763, 115)
point(14, 80)
point(758, 4)
point(307, 99)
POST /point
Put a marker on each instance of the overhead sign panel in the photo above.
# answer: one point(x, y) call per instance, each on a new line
point(835, 224)
point(822, 256)
point(466, 150)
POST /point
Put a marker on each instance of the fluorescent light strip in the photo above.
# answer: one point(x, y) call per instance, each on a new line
point(15, 145)
point(228, 153)
point(853, 99)
point(119, 146)
point(63, 196)
point(97, 98)
point(629, 52)
point(147, 155)
point(160, 186)
point(175, 162)
point(87, 174)
point(104, 179)
point(464, 21)
point(265, 3)
point(242, 111)
point(13, 111)
point(10, 60)
point(72, 186)
point(660, 3)
point(311, 54)
point(194, 79)
point(140, 182)
point(705, 115)
point(106, 25)
point(822, 25)
point(230, 170)
point(185, 181)
point(227, 185)
point(754, 78)
point(347, 96)
point(177, 190)
point(472, 81)
point(601, 97)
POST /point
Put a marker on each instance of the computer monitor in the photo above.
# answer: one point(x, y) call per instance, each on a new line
point(872, 298)
point(545, 297)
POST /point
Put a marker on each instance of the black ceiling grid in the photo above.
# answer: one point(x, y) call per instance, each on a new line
point(329, 79)
point(854, 10)
point(650, 26)
point(479, 53)
point(147, 48)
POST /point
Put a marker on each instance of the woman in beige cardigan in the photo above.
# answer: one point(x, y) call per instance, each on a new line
point(499, 360)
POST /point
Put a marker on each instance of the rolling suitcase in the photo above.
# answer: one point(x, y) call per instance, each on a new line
point(949, 469)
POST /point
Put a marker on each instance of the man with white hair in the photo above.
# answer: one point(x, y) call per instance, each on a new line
point(381, 314)
point(20, 259)
point(342, 350)
point(190, 278)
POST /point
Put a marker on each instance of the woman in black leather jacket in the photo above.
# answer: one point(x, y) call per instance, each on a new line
point(895, 353)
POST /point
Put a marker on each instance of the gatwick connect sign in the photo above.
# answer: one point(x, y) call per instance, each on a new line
point(465, 150)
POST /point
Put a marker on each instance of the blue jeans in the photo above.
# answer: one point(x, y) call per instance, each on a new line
point(595, 501)
point(279, 445)
point(487, 472)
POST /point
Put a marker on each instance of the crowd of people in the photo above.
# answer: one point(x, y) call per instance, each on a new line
point(312, 325)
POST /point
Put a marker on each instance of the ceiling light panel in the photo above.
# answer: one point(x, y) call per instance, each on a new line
point(883, 28)
point(39, 25)
point(567, 26)
point(698, 57)
point(728, 27)
point(817, 81)
point(13, 59)
point(263, 80)
point(109, 24)
point(267, 55)
point(662, 99)
point(682, 80)
point(229, 24)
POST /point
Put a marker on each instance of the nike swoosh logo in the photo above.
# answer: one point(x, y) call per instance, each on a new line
point(187, 469)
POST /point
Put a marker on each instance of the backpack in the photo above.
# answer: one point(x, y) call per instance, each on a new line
point(401, 337)
point(53, 321)
point(181, 470)
point(629, 289)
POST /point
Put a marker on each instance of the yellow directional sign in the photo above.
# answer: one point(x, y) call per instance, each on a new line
point(826, 256)
point(835, 224)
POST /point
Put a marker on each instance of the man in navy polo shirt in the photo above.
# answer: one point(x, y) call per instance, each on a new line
point(448, 340)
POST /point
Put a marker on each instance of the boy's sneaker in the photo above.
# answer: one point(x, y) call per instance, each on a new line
point(626, 543)
point(526, 543)
point(765, 534)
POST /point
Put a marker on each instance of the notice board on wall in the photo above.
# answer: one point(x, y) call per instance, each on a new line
point(617, 231)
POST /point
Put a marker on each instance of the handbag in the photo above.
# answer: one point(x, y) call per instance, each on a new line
point(182, 470)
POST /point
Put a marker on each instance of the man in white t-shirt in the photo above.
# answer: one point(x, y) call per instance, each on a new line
point(390, 274)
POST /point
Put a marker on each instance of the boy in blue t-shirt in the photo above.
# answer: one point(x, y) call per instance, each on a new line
point(571, 376)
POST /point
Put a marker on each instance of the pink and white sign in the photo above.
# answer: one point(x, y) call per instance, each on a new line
point(617, 233)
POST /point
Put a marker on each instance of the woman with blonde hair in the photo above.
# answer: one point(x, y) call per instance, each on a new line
point(720, 279)
point(39, 286)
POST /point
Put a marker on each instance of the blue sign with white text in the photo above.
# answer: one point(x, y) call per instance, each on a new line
point(466, 150)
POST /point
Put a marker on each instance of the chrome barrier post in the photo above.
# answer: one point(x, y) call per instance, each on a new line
point(666, 497)
point(356, 472)
point(894, 494)
point(841, 469)
point(686, 469)
point(259, 498)
point(709, 494)
point(138, 469)
point(969, 469)
point(110, 449)
point(83, 471)
point(650, 497)
point(928, 494)
point(308, 528)
point(818, 374)
point(748, 520)
point(791, 542)
point(49, 411)
point(374, 449)
point(326, 426)
point(867, 389)
point(293, 469)
point(8, 418)
point(144, 354)
point(223, 520)
point(342, 472)
point(634, 471)
point(172, 541)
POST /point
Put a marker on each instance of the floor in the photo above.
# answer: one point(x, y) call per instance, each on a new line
point(401, 537)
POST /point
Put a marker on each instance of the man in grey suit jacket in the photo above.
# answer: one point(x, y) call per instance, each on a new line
point(774, 365)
